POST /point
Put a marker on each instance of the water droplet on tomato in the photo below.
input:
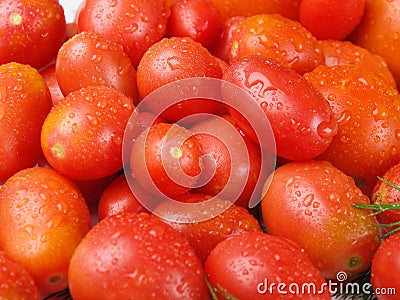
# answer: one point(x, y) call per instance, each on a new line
point(92, 120)
point(2, 112)
point(74, 128)
point(397, 134)
point(379, 112)
point(344, 117)
point(23, 202)
point(308, 200)
point(326, 130)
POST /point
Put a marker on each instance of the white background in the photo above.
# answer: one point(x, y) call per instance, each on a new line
point(70, 7)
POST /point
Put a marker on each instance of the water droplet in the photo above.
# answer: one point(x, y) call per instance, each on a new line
point(308, 200)
point(326, 130)
point(74, 128)
point(92, 120)
point(379, 112)
point(2, 112)
point(344, 117)
point(23, 202)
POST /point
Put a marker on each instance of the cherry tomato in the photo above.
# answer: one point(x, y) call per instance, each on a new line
point(82, 135)
point(319, 198)
point(331, 19)
point(135, 256)
point(135, 24)
point(198, 19)
point(25, 102)
point(279, 38)
point(31, 31)
point(300, 117)
point(16, 282)
point(367, 112)
point(43, 219)
point(100, 61)
point(252, 266)
point(49, 76)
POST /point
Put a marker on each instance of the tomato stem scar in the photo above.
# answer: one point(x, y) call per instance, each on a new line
point(16, 19)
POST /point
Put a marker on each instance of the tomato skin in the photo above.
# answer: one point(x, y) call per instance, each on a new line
point(135, 24)
point(318, 198)
point(367, 112)
point(331, 19)
point(49, 76)
point(198, 19)
point(22, 91)
point(279, 38)
point(300, 117)
point(16, 282)
point(32, 31)
point(43, 218)
point(244, 264)
point(135, 256)
point(82, 135)
point(385, 267)
point(101, 62)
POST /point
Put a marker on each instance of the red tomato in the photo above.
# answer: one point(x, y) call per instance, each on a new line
point(135, 24)
point(172, 59)
point(279, 38)
point(31, 31)
point(49, 76)
point(318, 198)
point(385, 267)
point(331, 19)
point(165, 159)
point(379, 31)
point(100, 61)
point(43, 219)
point(82, 135)
point(16, 282)
point(198, 19)
point(135, 256)
point(367, 112)
point(205, 235)
point(25, 102)
point(300, 117)
point(253, 265)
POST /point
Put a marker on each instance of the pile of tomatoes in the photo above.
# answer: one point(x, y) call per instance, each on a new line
point(199, 149)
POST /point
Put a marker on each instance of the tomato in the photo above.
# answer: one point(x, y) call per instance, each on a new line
point(279, 38)
point(198, 19)
point(43, 219)
point(256, 265)
point(49, 76)
point(16, 282)
point(25, 102)
point(101, 62)
point(32, 31)
point(327, 19)
point(205, 235)
point(165, 159)
point(135, 24)
point(135, 256)
point(118, 197)
point(367, 111)
point(300, 117)
point(172, 59)
point(82, 135)
point(385, 267)
point(319, 198)
point(379, 30)
point(345, 52)
point(231, 8)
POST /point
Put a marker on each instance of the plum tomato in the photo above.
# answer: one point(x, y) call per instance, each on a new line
point(135, 24)
point(172, 59)
point(100, 61)
point(16, 282)
point(82, 135)
point(25, 101)
point(32, 31)
point(279, 38)
point(43, 219)
point(165, 159)
point(300, 117)
point(198, 19)
point(385, 267)
point(331, 19)
point(205, 235)
point(135, 256)
point(366, 108)
point(379, 31)
point(255, 265)
point(232, 8)
point(319, 198)
point(49, 75)
point(345, 52)
point(118, 197)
